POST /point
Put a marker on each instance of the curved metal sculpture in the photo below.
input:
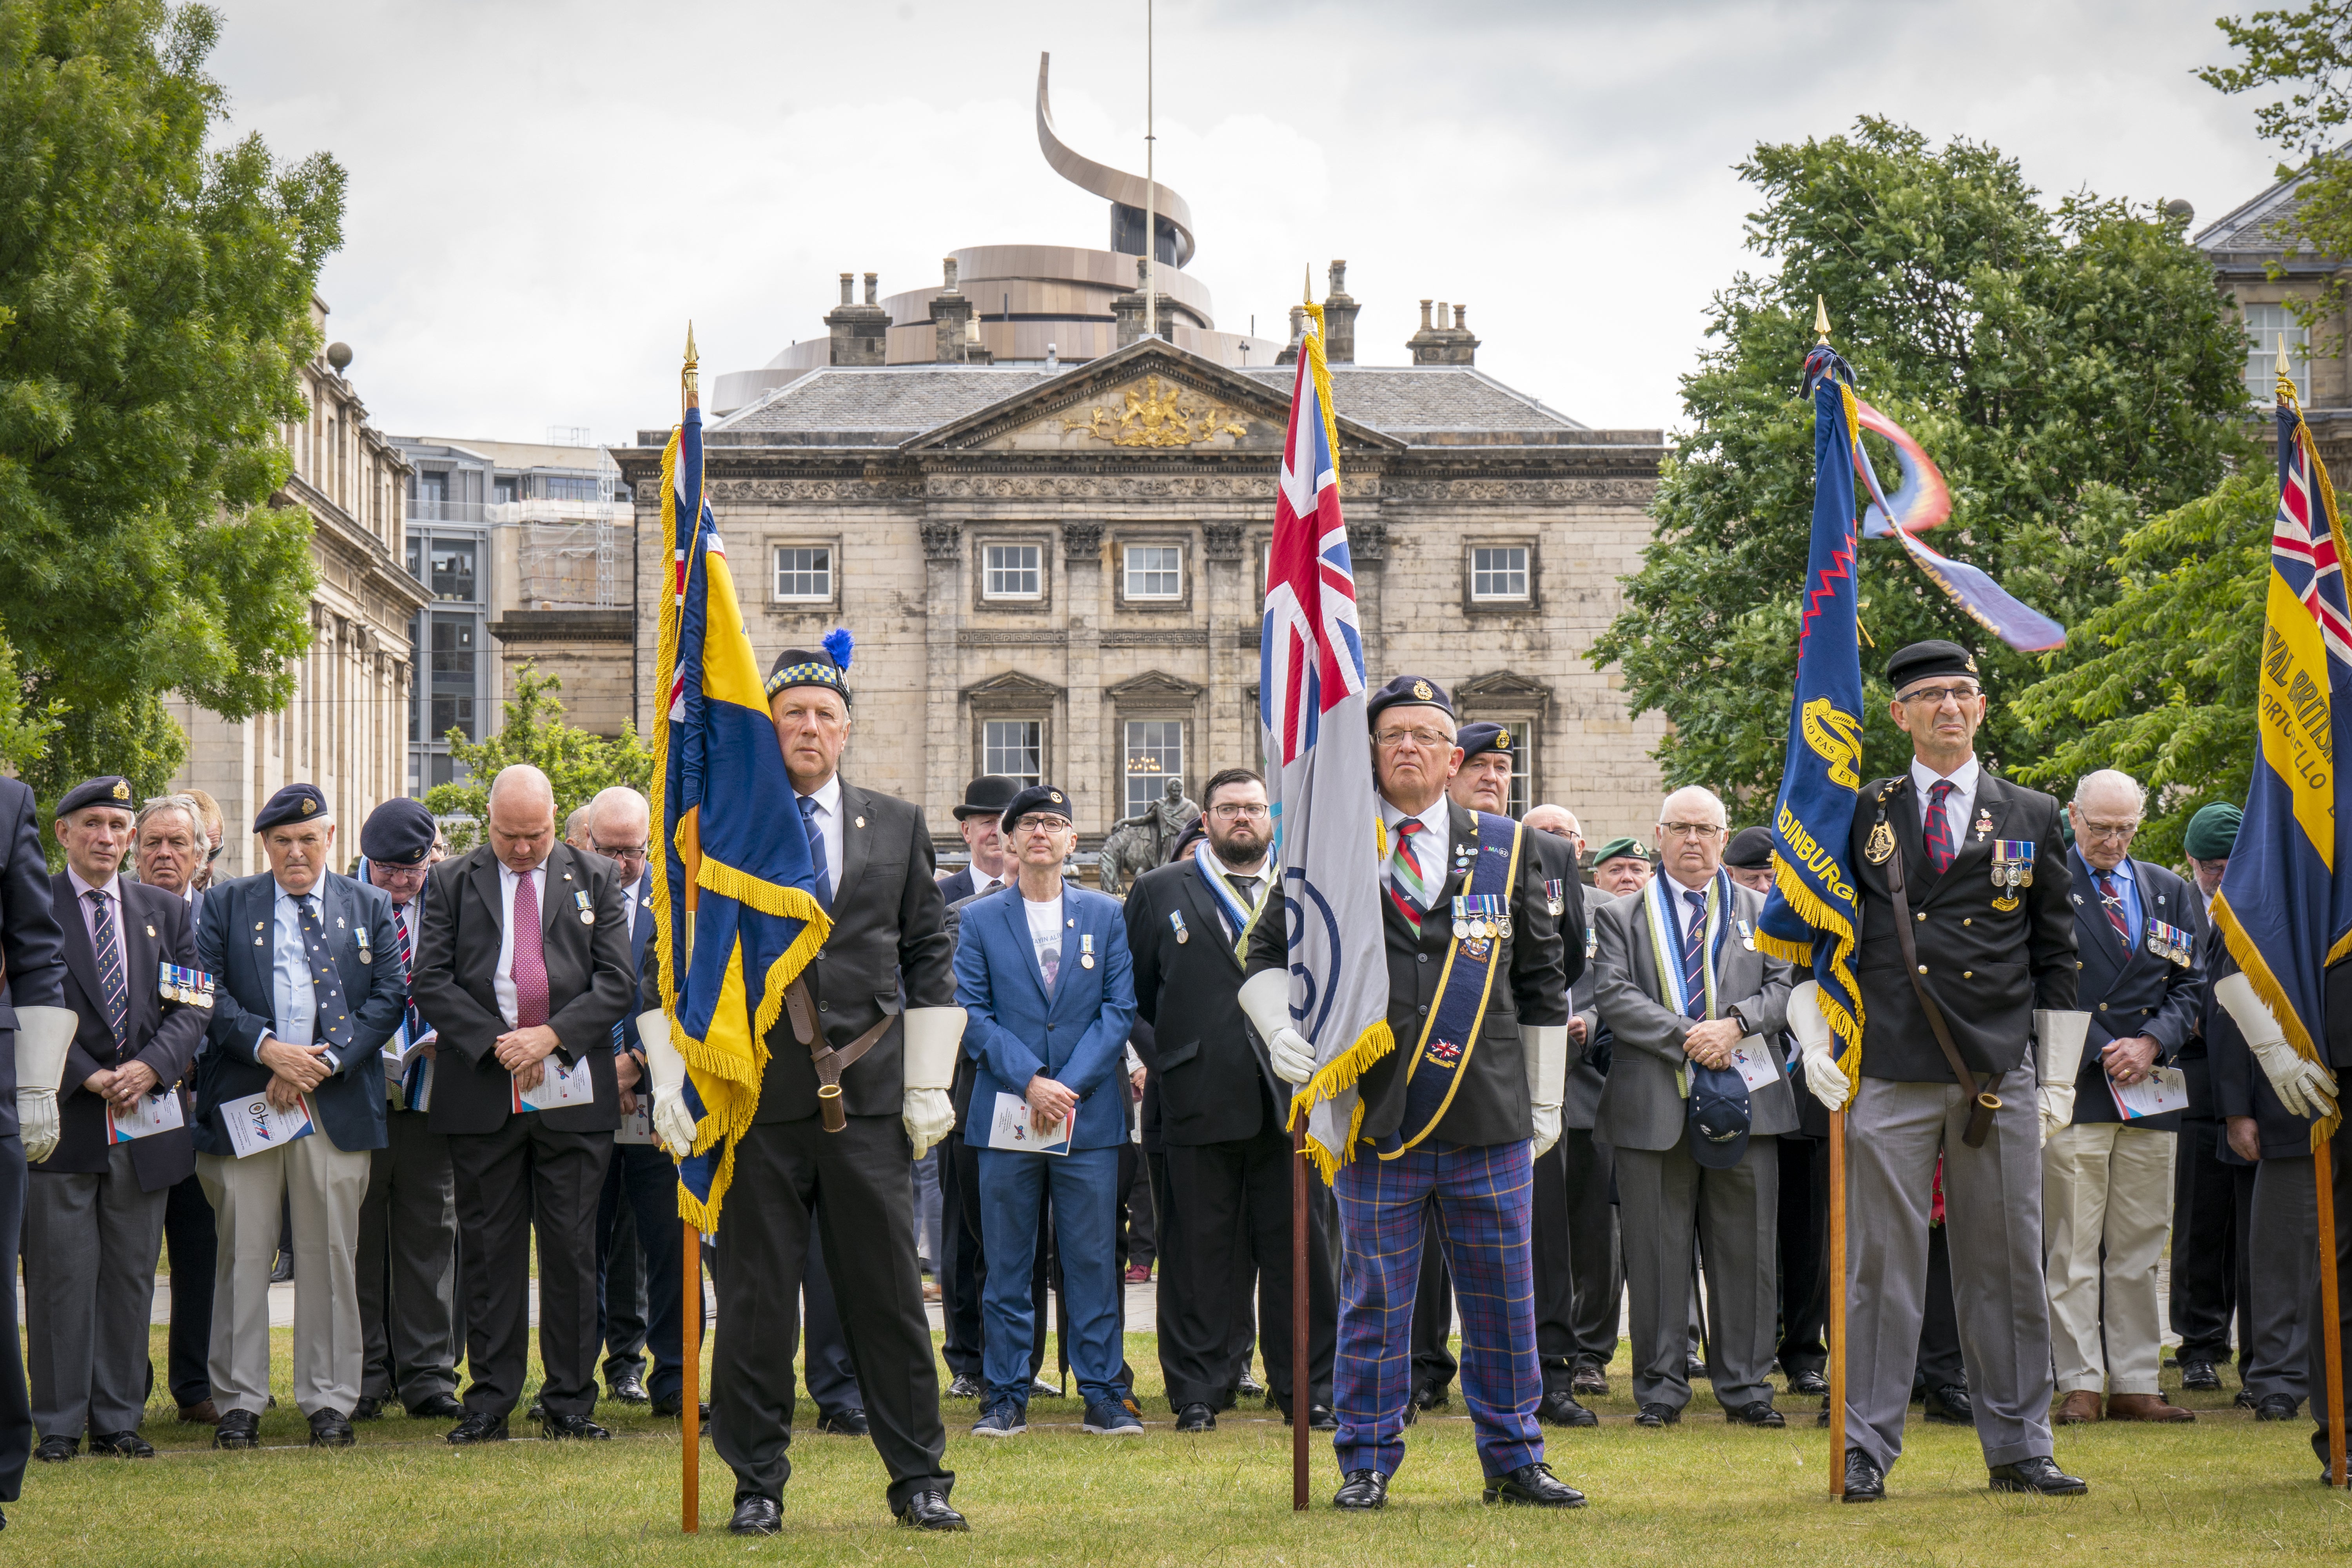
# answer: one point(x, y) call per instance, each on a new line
point(1120, 189)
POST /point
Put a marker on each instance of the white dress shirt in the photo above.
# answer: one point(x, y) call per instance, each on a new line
point(1430, 845)
point(294, 996)
point(502, 983)
point(1956, 804)
point(827, 819)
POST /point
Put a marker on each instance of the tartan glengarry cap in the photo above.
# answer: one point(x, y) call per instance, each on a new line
point(1482, 735)
point(826, 665)
point(397, 832)
point(1416, 689)
point(109, 789)
point(295, 802)
point(1921, 661)
point(1038, 797)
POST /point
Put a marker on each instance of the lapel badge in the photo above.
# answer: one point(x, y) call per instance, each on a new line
point(151, 930)
point(1086, 949)
point(860, 821)
point(1176, 919)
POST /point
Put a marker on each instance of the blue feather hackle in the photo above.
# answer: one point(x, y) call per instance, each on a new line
point(839, 645)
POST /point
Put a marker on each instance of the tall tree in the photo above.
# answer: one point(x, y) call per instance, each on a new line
point(2069, 366)
point(577, 762)
point(155, 309)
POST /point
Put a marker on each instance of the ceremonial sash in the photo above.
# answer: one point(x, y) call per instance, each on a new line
point(1239, 917)
point(1462, 987)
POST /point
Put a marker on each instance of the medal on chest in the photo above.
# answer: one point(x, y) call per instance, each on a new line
point(587, 914)
point(1176, 919)
point(1881, 846)
point(1984, 824)
point(2013, 867)
point(1555, 895)
point(2169, 941)
point(1480, 917)
point(1085, 951)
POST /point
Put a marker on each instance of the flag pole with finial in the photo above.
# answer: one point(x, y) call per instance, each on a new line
point(1837, 1326)
point(690, 1234)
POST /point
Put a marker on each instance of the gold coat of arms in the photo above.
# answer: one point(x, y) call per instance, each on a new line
point(1154, 416)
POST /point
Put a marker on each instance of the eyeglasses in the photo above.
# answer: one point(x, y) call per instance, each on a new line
point(1041, 825)
point(1934, 696)
point(1237, 813)
point(620, 852)
point(1688, 829)
point(1426, 739)
point(382, 873)
point(2105, 830)
point(1575, 838)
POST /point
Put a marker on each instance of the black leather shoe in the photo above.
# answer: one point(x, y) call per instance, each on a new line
point(57, 1450)
point(2040, 1476)
point(1562, 1410)
point(437, 1407)
point(1430, 1396)
point(369, 1408)
point(1864, 1481)
point(478, 1427)
point(238, 1429)
point(537, 1412)
point(2275, 1407)
point(756, 1516)
point(1808, 1383)
point(1590, 1381)
point(1949, 1405)
point(1362, 1489)
point(1319, 1418)
point(282, 1271)
point(1196, 1417)
point(2201, 1376)
point(1249, 1387)
point(628, 1388)
point(330, 1428)
point(1694, 1369)
point(1658, 1415)
point(122, 1444)
point(671, 1406)
point(964, 1387)
point(556, 1429)
point(1757, 1413)
point(928, 1510)
point(1533, 1485)
point(843, 1423)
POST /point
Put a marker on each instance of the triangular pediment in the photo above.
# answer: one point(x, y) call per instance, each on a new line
point(1148, 399)
point(1153, 685)
point(1011, 686)
point(1502, 688)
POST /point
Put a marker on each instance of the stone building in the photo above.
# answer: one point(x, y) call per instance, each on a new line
point(346, 727)
point(2245, 246)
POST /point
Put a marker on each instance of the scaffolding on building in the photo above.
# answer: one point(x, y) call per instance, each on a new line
point(566, 557)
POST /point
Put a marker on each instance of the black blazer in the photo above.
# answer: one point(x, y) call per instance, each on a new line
point(1214, 1082)
point(640, 939)
point(889, 950)
point(958, 885)
point(32, 946)
point(2136, 992)
point(1988, 969)
point(1490, 1105)
point(455, 980)
point(235, 943)
point(163, 1033)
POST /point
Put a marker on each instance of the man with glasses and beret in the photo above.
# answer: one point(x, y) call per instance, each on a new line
point(1453, 1115)
point(1967, 966)
point(2213, 1189)
point(1044, 974)
point(408, 1222)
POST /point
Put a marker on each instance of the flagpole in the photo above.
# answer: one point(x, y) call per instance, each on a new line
point(1302, 1388)
point(690, 1247)
point(2330, 1307)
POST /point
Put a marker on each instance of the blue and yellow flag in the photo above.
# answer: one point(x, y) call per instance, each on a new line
point(1813, 913)
point(2285, 903)
point(735, 911)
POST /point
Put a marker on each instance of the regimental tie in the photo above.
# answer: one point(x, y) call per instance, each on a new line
point(111, 978)
point(1408, 884)
point(1939, 827)
point(823, 875)
point(529, 972)
point(333, 1008)
point(409, 1019)
point(2111, 899)
point(1695, 955)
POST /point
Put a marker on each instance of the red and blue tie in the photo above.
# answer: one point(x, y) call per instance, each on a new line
point(1939, 827)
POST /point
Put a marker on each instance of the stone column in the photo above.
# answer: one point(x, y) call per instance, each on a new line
point(945, 739)
point(1084, 761)
point(1232, 646)
point(1368, 548)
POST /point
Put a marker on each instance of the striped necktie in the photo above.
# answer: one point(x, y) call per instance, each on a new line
point(2111, 899)
point(1695, 955)
point(1408, 884)
point(112, 981)
point(1939, 827)
point(408, 1003)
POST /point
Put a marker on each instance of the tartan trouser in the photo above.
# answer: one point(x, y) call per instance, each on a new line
point(1483, 1195)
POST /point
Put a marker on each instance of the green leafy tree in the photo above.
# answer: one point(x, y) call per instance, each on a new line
point(2164, 686)
point(2069, 366)
point(155, 309)
point(577, 762)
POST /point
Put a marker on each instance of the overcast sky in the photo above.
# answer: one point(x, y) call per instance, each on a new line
point(542, 193)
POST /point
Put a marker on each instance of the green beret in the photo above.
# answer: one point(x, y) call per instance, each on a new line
point(2211, 832)
point(1618, 849)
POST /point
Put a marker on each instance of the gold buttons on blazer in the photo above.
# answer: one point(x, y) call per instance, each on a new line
point(2103, 1006)
point(1923, 969)
point(1968, 975)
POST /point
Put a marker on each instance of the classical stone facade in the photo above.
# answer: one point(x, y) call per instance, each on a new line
point(2246, 246)
point(346, 728)
point(1060, 571)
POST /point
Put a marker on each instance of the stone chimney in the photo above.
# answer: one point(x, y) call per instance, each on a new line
point(861, 334)
point(1126, 310)
point(974, 350)
point(1440, 343)
point(1339, 319)
point(1289, 354)
point(950, 311)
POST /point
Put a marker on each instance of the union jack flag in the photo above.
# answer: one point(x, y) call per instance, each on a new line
point(1327, 818)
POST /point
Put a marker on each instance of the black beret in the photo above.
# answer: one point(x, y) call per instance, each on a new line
point(1418, 689)
point(826, 665)
point(1483, 736)
point(295, 802)
point(1036, 797)
point(1750, 850)
point(1922, 659)
point(988, 795)
point(398, 833)
point(109, 791)
point(2213, 832)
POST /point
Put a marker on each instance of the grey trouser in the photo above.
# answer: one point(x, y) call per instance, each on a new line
point(1992, 1218)
point(91, 1245)
point(408, 1266)
point(1660, 1193)
point(2282, 1264)
point(324, 1187)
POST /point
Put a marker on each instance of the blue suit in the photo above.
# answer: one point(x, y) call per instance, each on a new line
point(1077, 1036)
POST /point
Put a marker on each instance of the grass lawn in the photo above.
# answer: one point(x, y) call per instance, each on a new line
point(2225, 1490)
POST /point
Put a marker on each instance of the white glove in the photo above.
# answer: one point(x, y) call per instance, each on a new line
point(927, 1056)
point(1817, 1048)
point(1546, 1054)
point(673, 1122)
point(1265, 1002)
point(43, 1036)
point(2058, 1041)
point(2305, 1088)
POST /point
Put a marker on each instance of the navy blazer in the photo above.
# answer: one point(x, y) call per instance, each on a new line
point(1014, 1031)
point(2132, 992)
point(32, 945)
point(235, 943)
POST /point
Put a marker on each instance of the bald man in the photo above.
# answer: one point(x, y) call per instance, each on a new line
point(522, 965)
